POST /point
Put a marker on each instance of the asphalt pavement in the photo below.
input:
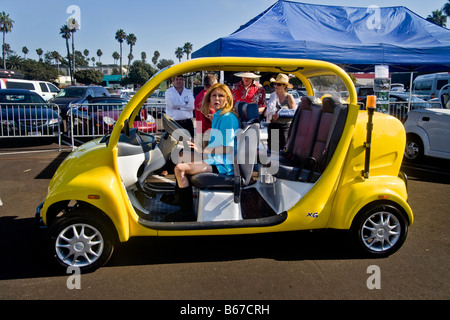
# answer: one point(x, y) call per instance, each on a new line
point(294, 266)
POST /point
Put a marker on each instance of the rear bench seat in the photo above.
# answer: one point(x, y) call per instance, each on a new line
point(314, 134)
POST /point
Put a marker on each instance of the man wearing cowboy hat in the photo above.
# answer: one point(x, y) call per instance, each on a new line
point(280, 110)
point(249, 91)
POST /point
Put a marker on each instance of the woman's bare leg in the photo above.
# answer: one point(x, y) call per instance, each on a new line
point(183, 169)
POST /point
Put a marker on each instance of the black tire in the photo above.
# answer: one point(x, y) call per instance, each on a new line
point(81, 239)
point(414, 148)
point(379, 229)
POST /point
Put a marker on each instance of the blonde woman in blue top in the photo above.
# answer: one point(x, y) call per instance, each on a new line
point(218, 155)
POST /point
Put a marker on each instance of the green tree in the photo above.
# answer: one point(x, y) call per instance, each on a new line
point(86, 52)
point(437, 17)
point(120, 36)
point(13, 62)
point(163, 63)
point(35, 70)
point(25, 52)
point(131, 41)
point(89, 76)
point(39, 53)
point(156, 56)
point(446, 8)
point(6, 24)
point(187, 48)
point(64, 31)
point(179, 53)
point(116, 57)
point(73, 27)
point(139, 73)
point(57, 57)
point(143, 56)
point(99, 54)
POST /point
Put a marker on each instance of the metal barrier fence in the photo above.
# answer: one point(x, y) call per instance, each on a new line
point(398, 109)
point(95, 120)
point(30, 120)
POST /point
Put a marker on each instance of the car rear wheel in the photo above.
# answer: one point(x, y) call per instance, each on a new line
point(81, 240)
point(380, 229)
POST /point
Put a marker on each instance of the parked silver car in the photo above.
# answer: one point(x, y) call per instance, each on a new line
point(427, 133)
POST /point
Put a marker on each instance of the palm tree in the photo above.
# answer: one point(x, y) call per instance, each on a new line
point(57, 57)
point(86, 53)
point(156, 56)
point(13, 62)
point(39, 52)
point(99, 54)
point(25, 52)
point(446, 8)
point(64, 31)
point(187, 48)
point(437, 17)
point(6, 24)
point(73, 26)
point(115, 56)
point(143, 56)
point(131, 41)
point(179, 53)
point(120, 36)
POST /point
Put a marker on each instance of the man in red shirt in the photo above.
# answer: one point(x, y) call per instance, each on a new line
point(249, 91)
point(203, 123)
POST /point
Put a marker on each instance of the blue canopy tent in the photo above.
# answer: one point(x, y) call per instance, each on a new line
point(355, 38)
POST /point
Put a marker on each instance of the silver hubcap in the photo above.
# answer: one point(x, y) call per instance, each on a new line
point(381, 231)
point(411, 150)
point(79, 245)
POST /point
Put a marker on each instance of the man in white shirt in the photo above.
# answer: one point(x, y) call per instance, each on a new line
point(180, 104)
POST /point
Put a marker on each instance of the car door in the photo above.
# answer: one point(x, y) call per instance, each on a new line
point(45, 92)
point(437, 125)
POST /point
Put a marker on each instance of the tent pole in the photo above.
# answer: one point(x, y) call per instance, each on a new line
point(410, 89)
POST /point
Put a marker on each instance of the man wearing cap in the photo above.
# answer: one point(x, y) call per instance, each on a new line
point(249, 91)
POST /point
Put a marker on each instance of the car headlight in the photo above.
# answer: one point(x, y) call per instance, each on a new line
point(54, 121)
point(7, 122)
point(109, 121)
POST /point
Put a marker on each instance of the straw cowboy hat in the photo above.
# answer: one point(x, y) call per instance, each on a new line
point(282, 78)
point(250, 75)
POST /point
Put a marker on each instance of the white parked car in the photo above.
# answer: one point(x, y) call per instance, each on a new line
point(427, 133)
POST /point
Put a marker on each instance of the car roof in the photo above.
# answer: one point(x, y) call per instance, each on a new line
point(107, 98)
point(83, 87)
point(17, 91)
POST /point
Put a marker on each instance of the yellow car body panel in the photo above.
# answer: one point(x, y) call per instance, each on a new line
point(332, 202)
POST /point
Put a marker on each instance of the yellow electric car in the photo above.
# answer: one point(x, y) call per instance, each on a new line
point(340, 169)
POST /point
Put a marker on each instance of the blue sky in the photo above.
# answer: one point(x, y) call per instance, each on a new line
point(158, 25)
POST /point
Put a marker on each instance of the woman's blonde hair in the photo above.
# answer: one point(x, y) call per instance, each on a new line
point(206, 103)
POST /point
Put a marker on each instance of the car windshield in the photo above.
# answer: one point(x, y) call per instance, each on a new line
point(20, 98)
point(71, 93)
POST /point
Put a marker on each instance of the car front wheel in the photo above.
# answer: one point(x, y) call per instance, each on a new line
point(80, 240)
point(413, 149)
point(380, 229)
